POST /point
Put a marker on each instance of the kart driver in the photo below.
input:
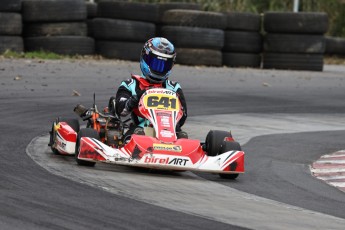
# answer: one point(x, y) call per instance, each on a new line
point(156, 61)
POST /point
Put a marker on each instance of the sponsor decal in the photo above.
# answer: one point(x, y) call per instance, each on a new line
point(165, 160)
point(165, 121)
point(61, 144)
point(162, 114)
point(165, 147)
point(160, 91)
point(166, 133)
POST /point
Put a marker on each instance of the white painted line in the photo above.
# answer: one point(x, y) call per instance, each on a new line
point(332, 156)
point(341, 177)
point(330, 162)
point(337, 184)
point(332, 170)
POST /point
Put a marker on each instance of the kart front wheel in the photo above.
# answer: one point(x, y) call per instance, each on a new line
point(214, 140)
point(85, 133)
point(229, 146)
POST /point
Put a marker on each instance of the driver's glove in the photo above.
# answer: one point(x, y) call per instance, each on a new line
point(132, 103)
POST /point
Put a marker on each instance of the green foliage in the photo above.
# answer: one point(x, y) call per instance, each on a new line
point(33, 55)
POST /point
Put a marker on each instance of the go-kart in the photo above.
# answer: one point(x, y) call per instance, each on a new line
point(108, 139)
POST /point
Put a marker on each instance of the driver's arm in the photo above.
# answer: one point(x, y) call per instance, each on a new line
point(123, 95)
point(184, 105)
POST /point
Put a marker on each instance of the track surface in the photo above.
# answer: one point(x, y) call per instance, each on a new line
point(33, 93)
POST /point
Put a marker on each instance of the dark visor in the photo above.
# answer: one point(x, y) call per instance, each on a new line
point(157, 64)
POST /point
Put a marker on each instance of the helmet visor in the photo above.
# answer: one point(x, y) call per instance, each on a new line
point(158, 65)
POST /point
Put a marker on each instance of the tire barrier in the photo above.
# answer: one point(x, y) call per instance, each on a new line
point(195, 33)
point(194, 18)
point(335, 46)
point(10, 5)
point(194, 37)
point(243, 41)
point(11, 26)
point(119, 50)
point(291, 41)
point(163, 7)
point(207, 57)
point(294, 40)
point(135, 11)
point(120, 27)
point(57, 26)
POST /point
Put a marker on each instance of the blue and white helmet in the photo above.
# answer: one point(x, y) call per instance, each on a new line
point(157, 59)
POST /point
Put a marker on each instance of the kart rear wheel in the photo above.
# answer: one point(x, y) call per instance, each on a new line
point(228, 146)
point(73, 123)
point(214, 140)
point(85, 133)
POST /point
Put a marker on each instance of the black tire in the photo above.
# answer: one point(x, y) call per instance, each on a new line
point(335, 46)
point(242, 60)
point(214, 140)
point(206, 57)
point(65, 45)
point(91, 9)
point(294, 43)
point(85, 133)
point(228, 146)
point(303, 22)
point(313, 62)
point(128, 10)
point(108, 29)
point(13, 43)
point(119, 50)
point(194, 18)
point(10, 24)
point(73, 123)
point(194, 37)
point(162, 7)
point(10, 5)
point(243, 21)
point(54, 10)
point(55, 29)
point(242, 42)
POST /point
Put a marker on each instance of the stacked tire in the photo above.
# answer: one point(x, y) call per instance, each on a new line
point(91, 9)
point(57, 26)
point(243, 40)
point(294, 41)
point(121, 28)
point(335, 46)
point(11, 26)
point(197, 35)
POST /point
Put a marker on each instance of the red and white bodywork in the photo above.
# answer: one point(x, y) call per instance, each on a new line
point(65, 139)
point(162, 149)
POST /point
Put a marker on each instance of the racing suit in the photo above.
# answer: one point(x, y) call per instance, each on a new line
point(134, 87)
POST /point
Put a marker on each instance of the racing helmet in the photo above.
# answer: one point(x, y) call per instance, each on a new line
point(157, 59)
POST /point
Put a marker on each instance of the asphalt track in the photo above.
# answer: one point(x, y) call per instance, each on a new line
point(285, 120)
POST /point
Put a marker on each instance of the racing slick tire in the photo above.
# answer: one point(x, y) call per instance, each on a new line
point(88, 132)
point(228, 146)
point(73, 123)
point(214, 140)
